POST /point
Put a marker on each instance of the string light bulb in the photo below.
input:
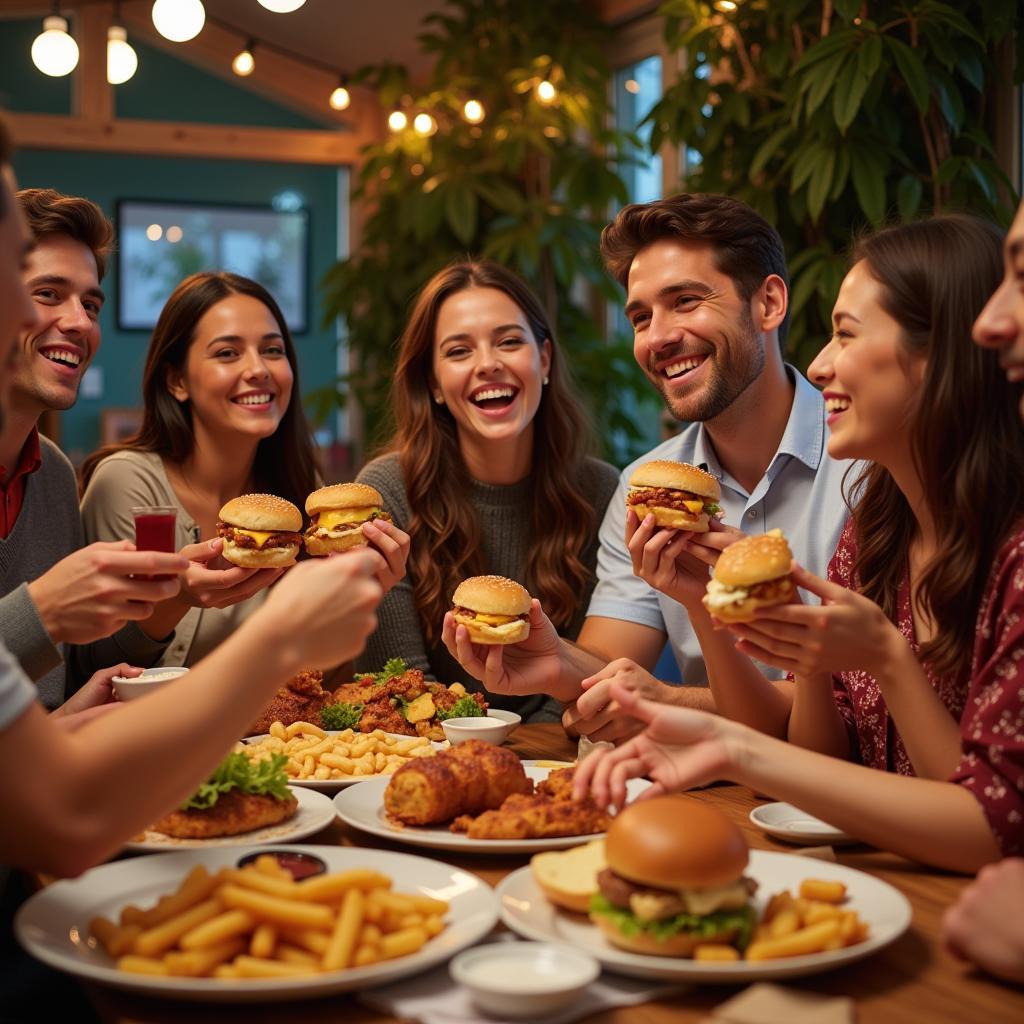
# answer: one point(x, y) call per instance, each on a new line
point(473, 111)
point(179, 20)
point(397, 121)
point(546, 92)
point(54, 51)
point(122, 60)
point(725, 5)
point(424, 124)
point(341, 97)
point(244, 63)
point(282, 6)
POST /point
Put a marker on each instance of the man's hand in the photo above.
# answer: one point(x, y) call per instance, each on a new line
point(212, 582)
point(393, 544)
point(94, 591)
point(596, 715)
point(97, 692)
point(986, 925)
point(533, 666)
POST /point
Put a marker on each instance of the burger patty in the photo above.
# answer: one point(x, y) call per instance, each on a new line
point(620, 892)
point(243, 540)
point(232, 814)
point(666, 497)
point(314, 524)
point(771, 590)
point(469, 614)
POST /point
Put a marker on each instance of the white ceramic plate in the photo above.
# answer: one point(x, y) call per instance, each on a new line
point(53, 924)
point(315, 812)
point(362, 807)
point(784, 821)
point(885, 909)
point(334, 785)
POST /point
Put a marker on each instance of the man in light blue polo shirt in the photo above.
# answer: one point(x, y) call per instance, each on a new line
point(707, 297)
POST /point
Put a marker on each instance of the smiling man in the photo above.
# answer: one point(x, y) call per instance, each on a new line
point(707, 297)
point(54, 593)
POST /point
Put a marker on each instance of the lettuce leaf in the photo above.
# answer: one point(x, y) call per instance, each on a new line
point(236, 771)
point(704, 925)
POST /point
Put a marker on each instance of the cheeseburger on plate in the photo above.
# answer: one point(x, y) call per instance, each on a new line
point(336, 516)
point(260, 531)
point(752, 573)
point(679, 495)
point(674, 879)
point(494, 609)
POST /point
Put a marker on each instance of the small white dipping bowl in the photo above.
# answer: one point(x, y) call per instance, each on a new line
point(489, 730)
point(524, 979)
point(149, 682)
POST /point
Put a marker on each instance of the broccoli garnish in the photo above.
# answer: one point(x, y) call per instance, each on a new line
point(341, 716)
point(236, 771)
point(464, 707)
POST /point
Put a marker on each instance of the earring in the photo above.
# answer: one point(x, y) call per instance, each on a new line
point(547, 380)
point(439, 398)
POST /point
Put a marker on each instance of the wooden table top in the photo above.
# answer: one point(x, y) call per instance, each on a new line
point(912, 981)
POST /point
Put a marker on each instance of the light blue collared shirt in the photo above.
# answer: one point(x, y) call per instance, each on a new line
point(801, 493)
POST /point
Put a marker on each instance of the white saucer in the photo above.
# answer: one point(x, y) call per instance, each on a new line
point(784, 821)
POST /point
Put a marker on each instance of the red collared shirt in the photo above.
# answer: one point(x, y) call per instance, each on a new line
point(12, 487)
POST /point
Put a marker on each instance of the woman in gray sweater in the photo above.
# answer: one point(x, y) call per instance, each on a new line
point(488, 470)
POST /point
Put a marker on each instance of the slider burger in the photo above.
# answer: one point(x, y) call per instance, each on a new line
point(679, 495)
point(674, 879)
point(752, 573)
point(494, 609)
point(260, 531)
point(336, 516)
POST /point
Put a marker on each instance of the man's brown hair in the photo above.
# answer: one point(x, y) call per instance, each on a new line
point(746, 246)
point(49, 212)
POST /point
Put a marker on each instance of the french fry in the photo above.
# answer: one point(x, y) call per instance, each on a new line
point(307, 938)
point(284, 888)
point(784, 923)
point(826, 892)
point(265, 864)
point(710, 951)
point(196, 963)
point(294, 955)
point(819, 912)
point(271, 908)
point(218, 929)
point(346, 931)
point(250, 967)
point(365, 955)
point(779, 902)
point(812, 939)
point(116, 939)
point(327, 888)
point(142, 965)
point(263, 941)
point(433, 925)
point(159, 939)
point(402, 943)
point(196, 888)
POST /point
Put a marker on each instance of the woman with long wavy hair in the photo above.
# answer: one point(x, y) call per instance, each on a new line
point(221, 417)
point(488, 470)
point(910, 664)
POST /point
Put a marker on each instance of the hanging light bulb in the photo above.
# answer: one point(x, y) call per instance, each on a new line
point(473, 111)
point(122, 60)
point(282, 6)
point(397, 120)
point(54, 52)
point(546, 92)
point(179, 20)
point(245, 63)
point(424, 124)
point(341, 97)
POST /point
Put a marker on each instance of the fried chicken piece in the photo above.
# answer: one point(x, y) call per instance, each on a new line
point(232, 814)
point(467, 779)
point(547, 813)
point(301, 699)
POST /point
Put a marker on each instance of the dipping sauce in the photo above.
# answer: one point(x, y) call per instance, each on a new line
point(154, 529)
point(530, 974)
point(299, 865)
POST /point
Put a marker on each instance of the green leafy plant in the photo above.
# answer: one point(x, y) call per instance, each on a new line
point(832, 116)
point(393, 668)
point(261, 778)
point(530, 186)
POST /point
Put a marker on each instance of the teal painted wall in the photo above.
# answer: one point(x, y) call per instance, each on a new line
point(165, 88)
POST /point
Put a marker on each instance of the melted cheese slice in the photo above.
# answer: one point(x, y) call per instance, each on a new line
point(719, 595)
point(260, 536)
point(694, 506)
point(493, 620)
point(341, 516)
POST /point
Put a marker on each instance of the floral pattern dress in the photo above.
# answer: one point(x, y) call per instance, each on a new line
point(989, 704)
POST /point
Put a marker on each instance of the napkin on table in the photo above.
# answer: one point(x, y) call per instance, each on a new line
point(764, 1003)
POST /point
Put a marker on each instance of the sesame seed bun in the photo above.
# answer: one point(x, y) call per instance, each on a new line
point(680, 476)
point(753, 560)
point(568, 878)
point(342, 496)
point(492, 595)
point(319, 546)
point(262, 512)
point(261, 558)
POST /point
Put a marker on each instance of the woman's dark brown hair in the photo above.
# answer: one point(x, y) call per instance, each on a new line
point(445, 529)
point(935, 276)
point(285, 463)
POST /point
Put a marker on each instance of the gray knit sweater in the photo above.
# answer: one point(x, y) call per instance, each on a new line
point(504, 521)
point(48, 529)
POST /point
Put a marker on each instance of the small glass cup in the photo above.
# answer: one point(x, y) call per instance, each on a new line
point(154, 530)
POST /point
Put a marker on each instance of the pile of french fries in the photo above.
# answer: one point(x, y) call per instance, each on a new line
point(257, 922)
point(313, 754)
point(812, 922)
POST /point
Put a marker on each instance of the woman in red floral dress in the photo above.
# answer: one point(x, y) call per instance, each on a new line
point(911, 663)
